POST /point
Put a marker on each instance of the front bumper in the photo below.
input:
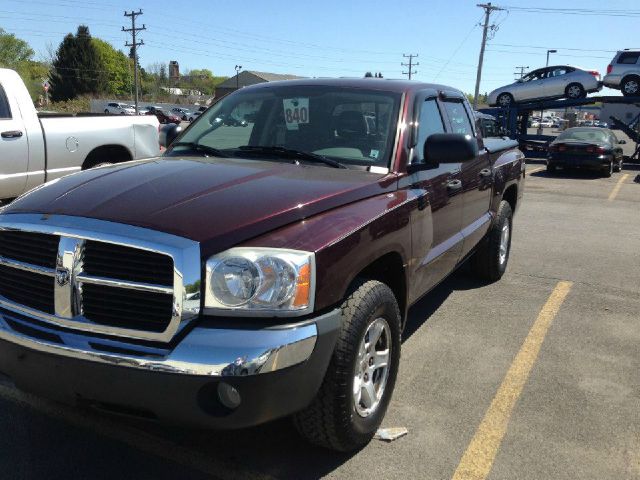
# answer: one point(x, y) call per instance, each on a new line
point(580, 161)
point(274, 371)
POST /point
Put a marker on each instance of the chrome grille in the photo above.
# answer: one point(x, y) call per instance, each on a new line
point(27, 288)
point(105, 278)
point(133, 264)
point(35, 248)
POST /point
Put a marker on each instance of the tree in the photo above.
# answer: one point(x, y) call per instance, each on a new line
point(368, 75)
point(13, 51)
point(76, 69)
point(116, 68)
point(202, 80)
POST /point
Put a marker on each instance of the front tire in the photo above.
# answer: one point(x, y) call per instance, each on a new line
point(489, 262)
point(357, 388)
point(575, 91)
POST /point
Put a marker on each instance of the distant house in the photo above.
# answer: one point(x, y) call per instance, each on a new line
point(250, 77)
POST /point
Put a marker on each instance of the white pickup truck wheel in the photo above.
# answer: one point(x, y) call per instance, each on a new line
point(356, 390)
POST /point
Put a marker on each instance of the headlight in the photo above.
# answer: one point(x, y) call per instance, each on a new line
point(261, 281)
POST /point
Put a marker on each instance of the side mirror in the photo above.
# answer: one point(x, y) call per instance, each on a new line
point(622, 142)
point(168, 133)
point(450, 148)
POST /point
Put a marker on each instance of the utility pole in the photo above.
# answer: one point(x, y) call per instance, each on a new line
point(410, 65)
point(521, 72)
point(134, 44)
point(488, 8)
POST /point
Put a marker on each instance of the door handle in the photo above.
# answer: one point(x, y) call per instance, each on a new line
point(454, 185)
point(11, 134)
point(485, 172)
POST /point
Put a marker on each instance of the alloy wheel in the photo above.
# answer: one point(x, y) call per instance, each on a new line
point(504, 243)
point(372, 367)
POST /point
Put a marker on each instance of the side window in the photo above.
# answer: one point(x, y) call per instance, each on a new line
point(490, 128)
point(629, 58)
point(556, 72)
point(458, 118)
point(430, 122)
point(5, 111)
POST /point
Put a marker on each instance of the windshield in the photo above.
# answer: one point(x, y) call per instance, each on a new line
point(585, 135)
point(351, 126)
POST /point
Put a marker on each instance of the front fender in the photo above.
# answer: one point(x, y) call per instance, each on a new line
point(348, 239)
point(509, 169)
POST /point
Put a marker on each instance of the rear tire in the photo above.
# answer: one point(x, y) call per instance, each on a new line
point(618, 166)
point(630, 86)
point(336, 420)
point(575, 91)
point(608, 171)
point(551, 168)
point(490, 260)
point(504, 100)
point(106, 111)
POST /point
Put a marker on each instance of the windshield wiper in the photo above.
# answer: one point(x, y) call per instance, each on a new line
point(290, 153)
point(200, 148)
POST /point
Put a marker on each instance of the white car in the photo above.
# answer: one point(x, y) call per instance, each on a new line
point(623, 73)
point(546, 123)
point(561, 81)
point(119, 109)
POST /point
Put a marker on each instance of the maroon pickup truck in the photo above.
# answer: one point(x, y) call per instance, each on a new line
point(264, 266)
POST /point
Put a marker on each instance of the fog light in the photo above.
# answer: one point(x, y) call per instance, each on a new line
point(228, 395)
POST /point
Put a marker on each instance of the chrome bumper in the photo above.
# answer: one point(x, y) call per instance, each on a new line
point(207, 352)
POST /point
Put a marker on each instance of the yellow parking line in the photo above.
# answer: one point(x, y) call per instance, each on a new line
point(535, 170)
point(478, 459)
point(616, 188)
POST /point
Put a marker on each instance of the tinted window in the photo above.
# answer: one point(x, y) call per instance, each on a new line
point(629, 58)
point(558, 71)
point(490, 128)
point(352, 126)
point(535, 75)
point(458, 118)
point(430, 122)
point(585, 135)
point(5, 111)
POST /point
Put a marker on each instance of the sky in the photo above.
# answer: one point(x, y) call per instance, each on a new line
point(344, 38)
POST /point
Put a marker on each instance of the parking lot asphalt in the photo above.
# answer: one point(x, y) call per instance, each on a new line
point(533, 377)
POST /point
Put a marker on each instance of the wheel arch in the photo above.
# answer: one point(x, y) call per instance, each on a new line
point(107, 153)
point(510, 195)
point(390, 270)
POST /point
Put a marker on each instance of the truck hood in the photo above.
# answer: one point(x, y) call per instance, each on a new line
point(219, 202)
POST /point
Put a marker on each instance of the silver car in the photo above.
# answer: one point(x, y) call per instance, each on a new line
point(561, 81)
point(623, 73)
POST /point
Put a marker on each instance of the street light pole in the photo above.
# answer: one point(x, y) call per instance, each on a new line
point(238, 68)
point(542, 111)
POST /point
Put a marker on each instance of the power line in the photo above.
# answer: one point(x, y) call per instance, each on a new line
point(455, 52)
point(488, 9)
point(576, 11)
point(410, 71)
point(134, 45)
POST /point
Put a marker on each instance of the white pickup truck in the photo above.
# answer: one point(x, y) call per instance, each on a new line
point(36, 148)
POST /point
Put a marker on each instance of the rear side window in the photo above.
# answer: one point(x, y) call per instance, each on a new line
point(629, 58)
point(5, 111)
point(458, 118)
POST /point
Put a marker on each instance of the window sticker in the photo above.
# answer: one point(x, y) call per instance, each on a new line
point(374, 154)
point(296, 112)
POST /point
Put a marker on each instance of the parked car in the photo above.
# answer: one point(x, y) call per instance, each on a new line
point(36, 148)
point(119, 109)
point(586, 147)
point(601, 124)
point(623, 73)
point(307, 244)
point(162, 116)
point(183, 113)
point(561, 81)
point(194, 115)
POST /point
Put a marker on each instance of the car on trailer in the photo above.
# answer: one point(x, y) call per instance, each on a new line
point(586, 147)
point(560, 81)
